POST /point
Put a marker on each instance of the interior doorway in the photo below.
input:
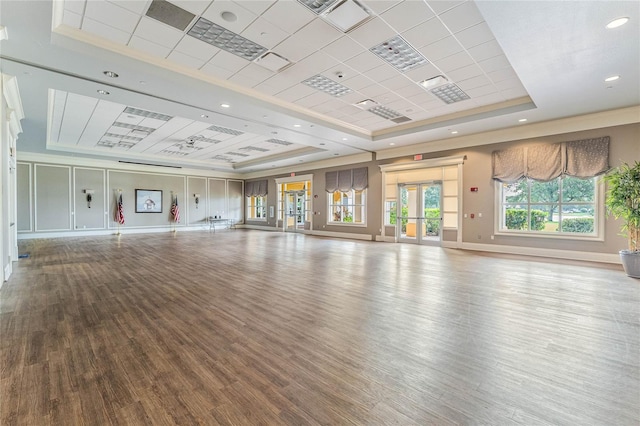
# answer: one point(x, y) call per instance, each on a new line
point(419, 213)
point(295, 210)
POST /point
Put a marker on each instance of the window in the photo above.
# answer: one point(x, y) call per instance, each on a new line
point(390, 212)
point(257, 208)
point(563, 206)
point(347, 207)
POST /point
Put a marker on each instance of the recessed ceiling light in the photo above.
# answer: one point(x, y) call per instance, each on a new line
point(103, 92)
point(399, 54)
point(450, 93)
point(344, 139)
point(204, 116)
point(225, 105)
point(455, 132)
point(322, 144)
point(618, 22)
point(522, 120)
point(297, 125)
point(228, 16)
point(326, 85)
point(433, 82)
point(142, 82)
point(366, 104)
point(612, 78)
point(392, 143)
point(110, 74)
point(224, 39)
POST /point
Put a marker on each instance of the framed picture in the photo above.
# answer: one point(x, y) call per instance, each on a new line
point(148, 201)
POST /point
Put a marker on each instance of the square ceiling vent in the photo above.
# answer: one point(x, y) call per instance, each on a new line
point(346, 15)
point(272, 62)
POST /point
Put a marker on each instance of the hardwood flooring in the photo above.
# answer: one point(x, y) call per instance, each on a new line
point(250, 327)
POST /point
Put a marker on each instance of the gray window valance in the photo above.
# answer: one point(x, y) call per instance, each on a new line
point(346, 180)
point(256, 188)
point(583, 158)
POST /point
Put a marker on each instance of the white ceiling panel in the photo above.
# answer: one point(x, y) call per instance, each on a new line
point(502, 74)
point(186, 60)
point(112, 15)
point(196, 48)
point(296, 92)
point(462, 16)
point(472, 83)
point(110, 33)
point(137, 6)
point(373, 91)
point(256, 6)
point(364, 62)
point(72, 19)
point(318, 62)
point(158, 33)
point(494, 64)
point(149, 47)
point(343, 48)
point(408, 91)
point(473, 36)
point(313, 99)
point(422, 72)
point(75, 6)
point(397, 82)
point(382, 73)
point(485, 50)
point(406, 15)
point(426, 33)
point(441, 49)
point(379, 6)
point(194, 6)
point(78, 111)
point(103, 116)
point(228, 61)
point(216, 13)
point(357, 82)
point(481, 91)
point(216, 71)
point(372, 33)
point(455, 61)
point(440, 6)
point(465, 73)
point(264, 33)
point(289, 16)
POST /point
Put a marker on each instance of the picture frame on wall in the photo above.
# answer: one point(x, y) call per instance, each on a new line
point(148, 201)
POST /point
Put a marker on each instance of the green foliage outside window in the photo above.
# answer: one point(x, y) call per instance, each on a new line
point(517, 219)
point(582, 225)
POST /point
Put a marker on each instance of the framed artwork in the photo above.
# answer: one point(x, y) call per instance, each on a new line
point(148, 201)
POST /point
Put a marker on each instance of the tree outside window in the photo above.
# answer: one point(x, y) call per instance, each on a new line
point(347, 207)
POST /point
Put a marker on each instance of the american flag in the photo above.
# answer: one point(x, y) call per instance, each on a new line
point(175, 210)
point(119, 211)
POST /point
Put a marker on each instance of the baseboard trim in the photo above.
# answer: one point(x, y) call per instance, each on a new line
point(98, 232)
point(348, 235)
point(449, 244)
point(540, 252)
point(259, 227)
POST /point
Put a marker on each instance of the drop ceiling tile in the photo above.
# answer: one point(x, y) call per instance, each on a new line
point(364, 61)
point(216, 71)
point(289, 16)
point(149, 47)
point(352, 97)
point(514, 93)
point(112, 15)
point(71, 19)
point(481, 91)
point(502, 74)
point(422, 73)
point(490, 99)
point(485, 50)
point(381, 73)
point(264, 33)
point(387, 98)
point(407, 15)
point(421, 99)
point(380, 6)
point(75, 6)
point(194, 6)
point(276, 84)
point(441, 49)
point(105, 31)
point(494, 64)
point(158, 33)
point(318, 62)
point(196, 48)
point(465, 73)
point(244, 17)
point(374, 119)
point(440, 6)
point(373, 91)
point(475, 35)
point(228, 61)
point(358, 82)
point(255, 72)
point(474, 82)
point(372, 33)
point(139, 7)
point(316, 98)
point(462, 16)
point(511, 83)
point(454, 62)
point(342, 69)
point(349, 110)
point(186, 60)
point(426, 33)
point(296, 92)
point(343, 48)
point(408, 91)
point(256, 6)
point(397, 82)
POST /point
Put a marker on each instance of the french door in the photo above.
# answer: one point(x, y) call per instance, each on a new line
point(294, 211)
point(419, 213)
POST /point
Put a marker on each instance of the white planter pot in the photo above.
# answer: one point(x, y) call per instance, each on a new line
point(631, 262)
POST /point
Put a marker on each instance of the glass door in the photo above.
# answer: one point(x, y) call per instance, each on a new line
point(295, 211)
point(419, 213)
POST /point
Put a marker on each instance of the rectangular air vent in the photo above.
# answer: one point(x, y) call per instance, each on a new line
point(225, 130)
point(324, 84)
point(272, 62)
point(147, 114)
point(224, 39)
point(346, 15)
point(203, 139)
point(170, 14)
point(450, 93)
point(279, 142)
point(253, 148)
point(399, 54)
point(134, 127)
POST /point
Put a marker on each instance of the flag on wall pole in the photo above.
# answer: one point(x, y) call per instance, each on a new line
point(175, 210)
point(119, 215)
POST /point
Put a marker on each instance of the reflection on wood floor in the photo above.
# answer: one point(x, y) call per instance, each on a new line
point(251, 327)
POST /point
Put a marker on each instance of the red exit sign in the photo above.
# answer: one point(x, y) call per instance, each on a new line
point(417, 157)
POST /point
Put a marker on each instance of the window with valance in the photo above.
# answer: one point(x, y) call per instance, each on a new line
point(551, 189)
point(256, 194)
point(346, 196)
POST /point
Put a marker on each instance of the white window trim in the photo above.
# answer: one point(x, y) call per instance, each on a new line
point(253, 207)
point(599, 215)
point(362, 224)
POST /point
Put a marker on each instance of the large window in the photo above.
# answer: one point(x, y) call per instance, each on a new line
point(563, 206)
point(257, 208)
point(347, 207)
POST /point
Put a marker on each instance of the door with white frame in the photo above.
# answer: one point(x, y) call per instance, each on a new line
point(295, 211)
point(419, 213)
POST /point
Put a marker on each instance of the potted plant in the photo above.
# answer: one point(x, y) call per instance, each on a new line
point(623, 201)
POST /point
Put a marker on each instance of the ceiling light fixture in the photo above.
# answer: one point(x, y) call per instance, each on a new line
point(225, 105)
point(111, 74)
point(346, 15)
point(344, 139)
point(618, 22)
point(229, 16)
point(272, 62)
point(366, 104)
point(522, 120)
point(204, 116)
point(326, 85)
point(612, 78)
point(454, 132)
point(317, 6)
point(225, 130)
point(450, 93)
point(438, 80)
point(224, 39)
point(103, 92)
point(297, 125)
point(399, 54)
point(147, 114)
point(392, 143)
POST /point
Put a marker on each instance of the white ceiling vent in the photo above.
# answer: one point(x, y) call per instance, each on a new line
point(346, 15)
point(272, 62)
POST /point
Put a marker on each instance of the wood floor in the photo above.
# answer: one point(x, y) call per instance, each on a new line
point(250, 327)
